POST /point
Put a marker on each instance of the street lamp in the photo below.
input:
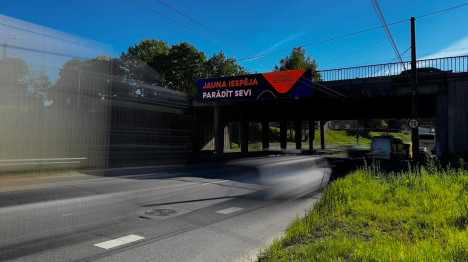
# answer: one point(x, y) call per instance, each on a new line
point(5, 46)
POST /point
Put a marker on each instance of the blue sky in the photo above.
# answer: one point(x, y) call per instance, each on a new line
point(263, 26)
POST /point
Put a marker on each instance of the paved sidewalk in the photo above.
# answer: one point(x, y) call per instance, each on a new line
point(15, 182)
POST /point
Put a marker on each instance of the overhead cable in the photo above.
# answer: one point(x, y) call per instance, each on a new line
point(191, 29)
point(210, 29)
point(355, 33)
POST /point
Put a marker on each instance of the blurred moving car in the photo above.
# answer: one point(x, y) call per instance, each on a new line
point(289, 176)
point(358, 151)
point(388, 147)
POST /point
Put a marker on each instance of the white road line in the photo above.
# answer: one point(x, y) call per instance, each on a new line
point(119, 241)
point(216, 182)
point(229, 210)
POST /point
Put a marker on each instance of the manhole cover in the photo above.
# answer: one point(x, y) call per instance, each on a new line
point(161, 212)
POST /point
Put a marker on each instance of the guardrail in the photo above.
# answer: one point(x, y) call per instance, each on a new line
point(456, 64)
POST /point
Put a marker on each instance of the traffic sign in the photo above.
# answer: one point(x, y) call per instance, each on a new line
point(413, 123)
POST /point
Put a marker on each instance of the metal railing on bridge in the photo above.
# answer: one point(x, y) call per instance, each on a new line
point(456, 64)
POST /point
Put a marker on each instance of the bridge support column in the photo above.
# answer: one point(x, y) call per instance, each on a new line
point(283, 134)
point(452, 119)
point(322, 135)
point(298, 127)
point(244, 135)
point(311, 136)
point(265, 135)
point(219, 131)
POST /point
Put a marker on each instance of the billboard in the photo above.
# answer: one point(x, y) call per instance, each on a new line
point(284, 84)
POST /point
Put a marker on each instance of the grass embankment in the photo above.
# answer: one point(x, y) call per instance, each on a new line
point(369, 216)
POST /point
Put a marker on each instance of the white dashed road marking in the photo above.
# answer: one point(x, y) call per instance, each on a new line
point(229, 210)
point(119, 241)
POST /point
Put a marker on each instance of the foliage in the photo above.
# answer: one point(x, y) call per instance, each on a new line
point(13, 70)
point(20, 86)
point(184, 67)
point(82, 81)
point(298, 60)
point(151, 52)
point(178, 66)
point(221, 66)
point(38, 84)
point(370, 216)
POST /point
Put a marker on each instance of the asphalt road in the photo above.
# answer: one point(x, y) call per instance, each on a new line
point(204, 213)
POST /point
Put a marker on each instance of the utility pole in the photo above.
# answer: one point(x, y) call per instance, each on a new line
point(414, 92)
point(5, 46)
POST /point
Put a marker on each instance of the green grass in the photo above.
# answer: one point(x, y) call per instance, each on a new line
point(334, 139)
point(406, 138)
point(370, 216)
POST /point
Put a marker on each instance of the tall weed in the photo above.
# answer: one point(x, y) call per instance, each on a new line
point(418, 215)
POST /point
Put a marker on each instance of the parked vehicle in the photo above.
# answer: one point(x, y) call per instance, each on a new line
point(388, 147)
point(424, 152)
point(428, 141)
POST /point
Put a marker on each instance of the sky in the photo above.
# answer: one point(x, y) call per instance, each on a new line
point(241, 29)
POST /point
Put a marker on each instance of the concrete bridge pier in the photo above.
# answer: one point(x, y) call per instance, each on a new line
point(322, 135)
point(298, 131)
point(244, 134)
point(265, 134)
point(311, 136)
point(219, 131)
point(452, 119)
point(283, 134)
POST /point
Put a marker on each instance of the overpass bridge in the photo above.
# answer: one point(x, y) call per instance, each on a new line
point(365, 92)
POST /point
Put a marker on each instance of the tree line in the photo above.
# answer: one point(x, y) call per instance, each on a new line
point(135, 73)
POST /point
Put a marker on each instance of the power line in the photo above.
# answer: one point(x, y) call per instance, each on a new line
point(375, 3)
point(355, 33)
point(193, 30)
point(319, 87)
point(51, 36)
point(210, 29)
point(443, 10)
point(320, 42)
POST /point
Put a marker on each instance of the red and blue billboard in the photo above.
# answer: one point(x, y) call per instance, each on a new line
point(284, 84)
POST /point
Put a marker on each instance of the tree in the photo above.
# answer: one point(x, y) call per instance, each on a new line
point(147, 61)
point(82, 82)
point(185, 67)
point(179, 66)
point(221, 66)
point(12, 72)
point(397, 124)
point(38, 84)
point(298, 60)
point(150, 51)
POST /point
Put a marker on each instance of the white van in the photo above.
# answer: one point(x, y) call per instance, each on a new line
point(387, 147)
point(428, 141)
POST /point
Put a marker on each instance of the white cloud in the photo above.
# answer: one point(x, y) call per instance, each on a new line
point(280, 43)
point(458, 48)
